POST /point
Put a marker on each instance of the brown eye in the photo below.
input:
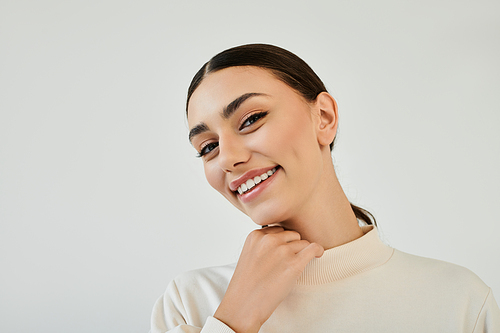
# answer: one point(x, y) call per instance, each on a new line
point(252, 119)
point(208, 148)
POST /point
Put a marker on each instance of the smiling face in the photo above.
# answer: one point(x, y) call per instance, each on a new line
point(259, 143)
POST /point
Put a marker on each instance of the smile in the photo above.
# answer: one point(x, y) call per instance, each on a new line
point(252, 182)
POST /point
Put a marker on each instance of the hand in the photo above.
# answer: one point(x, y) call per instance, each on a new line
point(271, 261)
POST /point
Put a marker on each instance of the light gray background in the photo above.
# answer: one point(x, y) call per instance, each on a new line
point(102, 200)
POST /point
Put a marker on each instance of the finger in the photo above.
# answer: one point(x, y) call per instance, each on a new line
point(289, 236)
point(283, 236)
point(297, 246)
point(272, 230)
point(309, 252)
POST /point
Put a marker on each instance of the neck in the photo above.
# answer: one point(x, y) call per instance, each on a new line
point(327, 219)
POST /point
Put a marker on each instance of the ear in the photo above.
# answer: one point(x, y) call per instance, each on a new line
point(328, 118)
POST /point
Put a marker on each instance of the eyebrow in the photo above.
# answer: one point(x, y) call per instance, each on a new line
point(226, 113)
point(234, 105)
point(198, 129)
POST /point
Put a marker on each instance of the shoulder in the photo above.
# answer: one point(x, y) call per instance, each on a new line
point(201, 280)
point(191, 297)
point(439, 289)
point(429, 266)
point(437, 274)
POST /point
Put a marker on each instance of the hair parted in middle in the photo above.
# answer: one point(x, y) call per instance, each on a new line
point(286, 67)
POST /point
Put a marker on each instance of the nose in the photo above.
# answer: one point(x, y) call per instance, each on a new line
point(232, 152)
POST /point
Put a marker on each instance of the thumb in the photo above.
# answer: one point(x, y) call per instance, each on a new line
point(309, 252)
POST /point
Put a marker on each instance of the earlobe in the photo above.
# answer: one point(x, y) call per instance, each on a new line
point(328, 118)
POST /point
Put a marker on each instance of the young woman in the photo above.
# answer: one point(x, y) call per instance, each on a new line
point(264, 125)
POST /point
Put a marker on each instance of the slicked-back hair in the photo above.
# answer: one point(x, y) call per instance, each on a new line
point(286, 67)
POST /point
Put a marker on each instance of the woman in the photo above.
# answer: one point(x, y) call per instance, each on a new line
point(264, 125)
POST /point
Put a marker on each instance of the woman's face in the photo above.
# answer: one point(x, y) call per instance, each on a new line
point(258, 141)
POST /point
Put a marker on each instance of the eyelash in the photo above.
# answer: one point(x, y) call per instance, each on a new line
point(202, 150)
point(252, 119)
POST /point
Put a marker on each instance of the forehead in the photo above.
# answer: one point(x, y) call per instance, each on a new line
point(220, 88)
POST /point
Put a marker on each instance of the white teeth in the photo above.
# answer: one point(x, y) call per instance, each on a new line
point(250, 183)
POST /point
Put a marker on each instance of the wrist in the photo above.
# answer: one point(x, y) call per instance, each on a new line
point(240, 323)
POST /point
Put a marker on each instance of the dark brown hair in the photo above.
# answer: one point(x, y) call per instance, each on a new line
point(286, 66)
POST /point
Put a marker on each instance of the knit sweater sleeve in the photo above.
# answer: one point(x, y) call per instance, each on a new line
point(488, 320)
point(170, 315)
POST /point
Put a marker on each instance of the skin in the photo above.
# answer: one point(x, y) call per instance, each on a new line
point(303, 200)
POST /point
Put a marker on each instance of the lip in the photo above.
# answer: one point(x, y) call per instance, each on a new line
point(256, 191)
point(233, 186)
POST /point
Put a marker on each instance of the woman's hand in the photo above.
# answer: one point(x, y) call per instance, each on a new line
point(271, 261)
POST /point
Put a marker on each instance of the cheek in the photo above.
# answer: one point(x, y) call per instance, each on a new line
point(217, 179)
point(275, 139)
point(214, 177)
point(295, 135)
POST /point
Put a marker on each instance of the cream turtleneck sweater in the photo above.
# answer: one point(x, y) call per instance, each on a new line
point(361, 286)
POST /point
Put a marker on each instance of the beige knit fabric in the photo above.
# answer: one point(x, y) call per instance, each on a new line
point(361, 286)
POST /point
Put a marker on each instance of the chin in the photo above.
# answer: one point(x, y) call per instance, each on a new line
point(267, 217)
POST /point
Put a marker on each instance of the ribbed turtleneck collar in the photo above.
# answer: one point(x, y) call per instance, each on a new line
point(346, 260)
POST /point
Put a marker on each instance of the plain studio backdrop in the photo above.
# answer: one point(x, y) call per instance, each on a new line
point(103, 202)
